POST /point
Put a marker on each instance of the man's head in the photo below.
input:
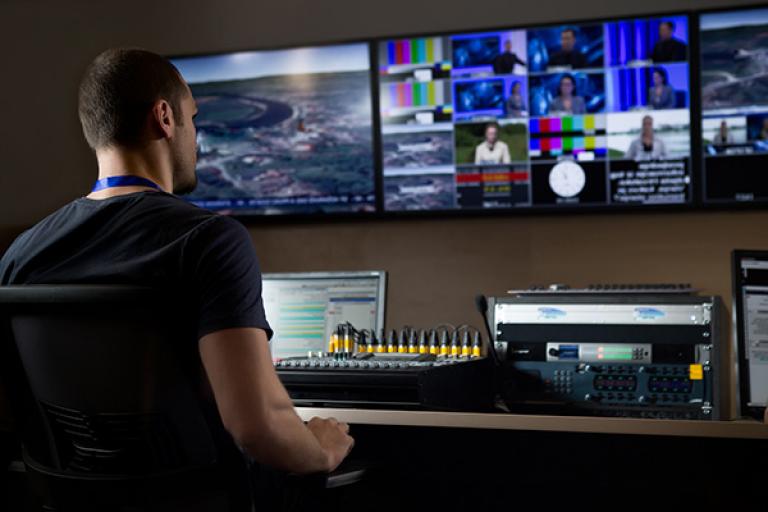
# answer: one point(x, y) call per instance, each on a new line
point(131, 98)
point(666, 29)
point(491, 133)
point(508, 46)
point(568, 39)
point(647, 125)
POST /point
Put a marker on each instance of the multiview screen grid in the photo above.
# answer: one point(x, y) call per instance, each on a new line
point(577, 114)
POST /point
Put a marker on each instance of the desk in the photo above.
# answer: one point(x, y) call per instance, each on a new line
point(741, 429)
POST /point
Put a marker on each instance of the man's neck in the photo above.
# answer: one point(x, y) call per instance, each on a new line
point(119, 162)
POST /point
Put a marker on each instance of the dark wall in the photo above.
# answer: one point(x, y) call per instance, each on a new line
point(436, 265)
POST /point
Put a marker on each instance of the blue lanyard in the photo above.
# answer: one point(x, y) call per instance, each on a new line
point(124, 181)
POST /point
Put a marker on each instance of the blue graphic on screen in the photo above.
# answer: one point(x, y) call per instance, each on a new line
point(632, 41)
point(756, 124)
point(479, 97)
point(473, 51)
point(589, 91)
point(545, 46)
point(633, 88)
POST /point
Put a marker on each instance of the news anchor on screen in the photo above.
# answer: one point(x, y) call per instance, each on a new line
point(568, 56)
point(647, 146)
point(492, 151)
point(515, 102)
point(668, 48)
point(504, 63)
point(567, 101)
point(723, 135)
point(661, 95)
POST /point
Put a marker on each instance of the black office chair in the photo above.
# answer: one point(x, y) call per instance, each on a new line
point(114, 413)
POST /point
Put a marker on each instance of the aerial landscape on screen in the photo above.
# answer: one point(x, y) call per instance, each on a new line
point(285, 131)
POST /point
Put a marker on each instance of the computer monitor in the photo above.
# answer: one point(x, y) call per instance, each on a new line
point(579, 115)
point(284, 131)
point(304, 309)
point(750, 319)
point(734, 105)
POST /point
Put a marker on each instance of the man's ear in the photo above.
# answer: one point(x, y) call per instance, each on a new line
point(162, 118)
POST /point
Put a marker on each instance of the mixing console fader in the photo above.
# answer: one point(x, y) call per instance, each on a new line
point(440, 369)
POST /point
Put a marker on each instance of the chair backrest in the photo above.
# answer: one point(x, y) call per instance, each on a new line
point(106, 385)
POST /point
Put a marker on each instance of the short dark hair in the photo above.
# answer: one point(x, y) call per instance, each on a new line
point(569, 29)
point(118, 90)
point(669, 23)
point(569, 77)
point(662, 73)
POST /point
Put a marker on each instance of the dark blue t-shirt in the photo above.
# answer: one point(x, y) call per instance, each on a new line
point(146, 239)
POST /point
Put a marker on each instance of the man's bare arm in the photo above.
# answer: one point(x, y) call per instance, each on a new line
point(257, 411)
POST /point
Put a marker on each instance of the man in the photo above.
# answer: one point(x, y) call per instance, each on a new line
point(504, 63)
point(137, 115)
point(568, 56)
point(667, 48)
point(492, 151)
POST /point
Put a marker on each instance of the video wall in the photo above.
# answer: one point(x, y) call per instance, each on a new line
point(570, 116)
point(567, 115)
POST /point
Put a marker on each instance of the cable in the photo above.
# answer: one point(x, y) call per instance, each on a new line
point(481, 303)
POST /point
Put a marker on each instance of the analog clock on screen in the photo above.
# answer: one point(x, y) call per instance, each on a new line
point(567, 179)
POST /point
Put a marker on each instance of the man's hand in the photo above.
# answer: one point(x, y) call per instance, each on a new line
point(334, 437)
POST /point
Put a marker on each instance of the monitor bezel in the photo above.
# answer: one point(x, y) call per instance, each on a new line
point(739, 340)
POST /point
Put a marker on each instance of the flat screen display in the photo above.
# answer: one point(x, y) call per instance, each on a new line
point(284, 131)
point(304, 309)
point(576, 115)
point(734, 95)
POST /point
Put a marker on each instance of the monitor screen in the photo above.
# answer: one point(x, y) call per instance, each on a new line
point(750, 280)
point(577, 115)
point(304, 309)
point(284, 131)
point(734, 96)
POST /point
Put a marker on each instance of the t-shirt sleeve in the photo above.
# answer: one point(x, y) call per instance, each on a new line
point(225, 277)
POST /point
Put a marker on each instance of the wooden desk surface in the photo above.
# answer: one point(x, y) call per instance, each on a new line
point(744, 429)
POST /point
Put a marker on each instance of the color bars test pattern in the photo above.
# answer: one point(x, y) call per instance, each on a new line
point(416, 94)
point(414, 51)
point(549, 134)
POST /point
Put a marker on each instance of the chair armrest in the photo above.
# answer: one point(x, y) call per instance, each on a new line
point(348, 473)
